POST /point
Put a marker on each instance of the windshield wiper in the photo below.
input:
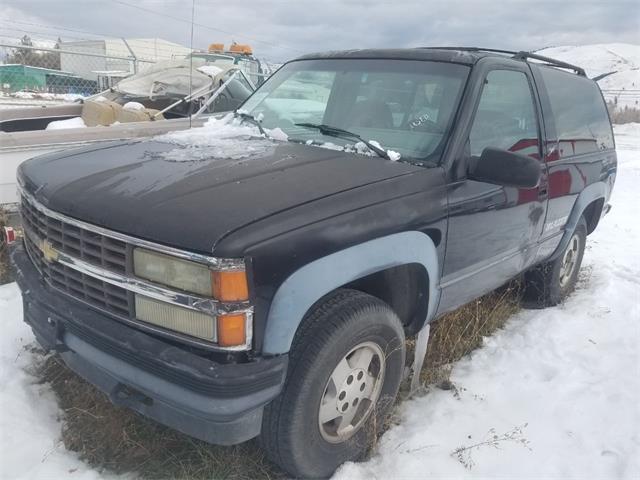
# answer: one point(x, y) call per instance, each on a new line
point(339, 132)
point(251, 119)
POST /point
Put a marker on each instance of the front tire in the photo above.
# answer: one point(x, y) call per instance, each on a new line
point(550, 283)
point(345, 368)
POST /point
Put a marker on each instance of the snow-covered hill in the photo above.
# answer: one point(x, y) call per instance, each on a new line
point(621, 58)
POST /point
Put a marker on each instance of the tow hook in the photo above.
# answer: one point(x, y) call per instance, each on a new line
point(125, 396)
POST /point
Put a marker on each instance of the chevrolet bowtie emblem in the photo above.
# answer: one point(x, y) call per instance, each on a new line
point(49, 253)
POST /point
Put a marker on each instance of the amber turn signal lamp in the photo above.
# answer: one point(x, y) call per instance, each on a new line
point(232, 330)
point(230, 286)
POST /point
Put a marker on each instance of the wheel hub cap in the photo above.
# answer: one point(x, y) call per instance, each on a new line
point(569, 260)
point(351, 392)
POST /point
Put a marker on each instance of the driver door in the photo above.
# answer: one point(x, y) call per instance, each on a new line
point(494, 230)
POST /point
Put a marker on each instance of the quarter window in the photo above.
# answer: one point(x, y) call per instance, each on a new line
point(581, 119)
point(506, 116)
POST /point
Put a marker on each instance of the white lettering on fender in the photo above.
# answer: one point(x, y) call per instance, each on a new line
point(557, 223)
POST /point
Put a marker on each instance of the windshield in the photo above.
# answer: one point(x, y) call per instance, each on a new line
point(405, 106)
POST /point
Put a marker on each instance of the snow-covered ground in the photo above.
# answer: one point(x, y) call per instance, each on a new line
point(558, 388)
point(35, 99)
point(58, 97)
point(30, 425)
point(7, 103)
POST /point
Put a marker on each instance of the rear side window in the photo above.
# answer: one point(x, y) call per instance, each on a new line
point(581, 119)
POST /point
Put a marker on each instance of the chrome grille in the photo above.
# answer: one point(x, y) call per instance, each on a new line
point(89, 246)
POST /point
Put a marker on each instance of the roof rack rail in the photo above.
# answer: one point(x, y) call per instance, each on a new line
point(520, 55)
point(472, 49)
point(550, 62)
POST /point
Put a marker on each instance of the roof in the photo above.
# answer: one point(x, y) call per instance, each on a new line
point(461, 55)
point(441, 55)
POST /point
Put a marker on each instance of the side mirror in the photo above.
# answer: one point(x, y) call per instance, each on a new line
point(505, 168)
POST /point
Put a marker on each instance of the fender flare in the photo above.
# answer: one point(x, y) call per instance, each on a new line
point(591, 193)
point(312, 281)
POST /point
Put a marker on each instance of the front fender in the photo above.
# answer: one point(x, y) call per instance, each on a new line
point(309, 283)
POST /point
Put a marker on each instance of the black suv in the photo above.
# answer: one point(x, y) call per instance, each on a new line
point(267, 289)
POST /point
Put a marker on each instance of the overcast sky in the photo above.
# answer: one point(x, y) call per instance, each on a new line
point(283, 29)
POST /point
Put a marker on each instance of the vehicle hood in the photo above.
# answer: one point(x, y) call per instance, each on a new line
point(190, 197)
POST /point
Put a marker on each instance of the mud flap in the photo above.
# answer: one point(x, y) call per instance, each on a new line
point(418, 359)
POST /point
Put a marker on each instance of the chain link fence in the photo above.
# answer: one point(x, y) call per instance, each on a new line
point(77, 69)
point(74, 69)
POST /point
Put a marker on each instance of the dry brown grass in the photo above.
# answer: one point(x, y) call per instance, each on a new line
point(116, 439)
point(620, 115)
point(460, 332)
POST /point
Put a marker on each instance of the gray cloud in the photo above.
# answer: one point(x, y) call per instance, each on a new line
point(282, 29)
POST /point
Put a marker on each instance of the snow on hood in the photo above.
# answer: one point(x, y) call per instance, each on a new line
point(393, 155)
point(231, 138)
point(358, 147)
point(220, 138)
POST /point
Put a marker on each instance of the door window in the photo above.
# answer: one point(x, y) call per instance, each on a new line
point(506, 116)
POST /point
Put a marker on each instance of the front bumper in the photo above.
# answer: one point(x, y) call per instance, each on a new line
point(217, 403)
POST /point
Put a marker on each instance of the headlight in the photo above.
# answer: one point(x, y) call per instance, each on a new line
point(228, 330)
point(227, 286)
point(171, 271)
